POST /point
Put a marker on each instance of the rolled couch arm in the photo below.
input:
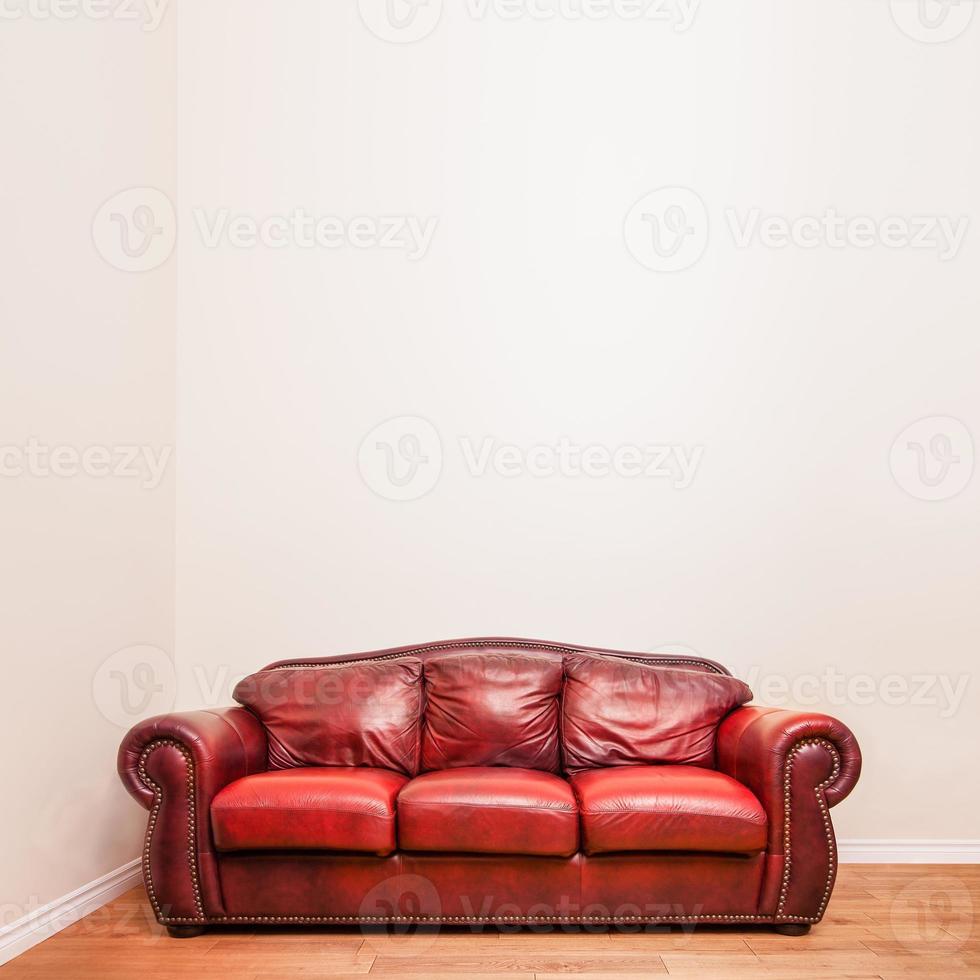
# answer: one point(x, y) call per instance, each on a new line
point(174, 765)
point(799, 764)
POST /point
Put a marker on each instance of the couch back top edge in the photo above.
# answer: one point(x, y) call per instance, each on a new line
point(540, 647)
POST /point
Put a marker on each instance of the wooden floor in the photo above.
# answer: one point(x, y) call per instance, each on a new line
point(884, 921)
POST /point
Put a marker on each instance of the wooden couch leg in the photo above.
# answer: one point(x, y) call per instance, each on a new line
point(793, 928)
point(185, 932)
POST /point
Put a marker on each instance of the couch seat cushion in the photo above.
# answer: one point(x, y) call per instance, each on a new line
point(488, 810)
point(344, 809)
point(667, 808)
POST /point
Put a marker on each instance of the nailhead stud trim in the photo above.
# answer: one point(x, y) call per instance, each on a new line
point(788, 829)
point(484, 919)
point(509, 644)
point(152, 823)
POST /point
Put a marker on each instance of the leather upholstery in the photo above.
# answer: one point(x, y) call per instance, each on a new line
point(495, 708)
point(468, 888)
point(673, 887)
point(174, 765)
point(753, 743)
point(488, 811)
point(691, 808)
point(617, 713)
point(309, 809)
point(799, 764)
point(345, 888)
point(667, 808)
point(365, 714)
point(494, 887)
point(302, 885)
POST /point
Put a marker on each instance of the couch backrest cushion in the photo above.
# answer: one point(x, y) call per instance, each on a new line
point(491, 708)
point(360, 714)
point(619, 713)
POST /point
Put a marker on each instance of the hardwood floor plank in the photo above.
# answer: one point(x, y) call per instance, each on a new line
point(895, 921)
point(817, 941)
point(407, 975)
point(690, 942)
point(642, 963)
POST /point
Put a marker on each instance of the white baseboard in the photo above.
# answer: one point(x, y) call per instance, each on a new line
point(41, 923)
point(874, 850)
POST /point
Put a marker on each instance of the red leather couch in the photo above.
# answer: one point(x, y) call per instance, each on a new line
point(490, 781)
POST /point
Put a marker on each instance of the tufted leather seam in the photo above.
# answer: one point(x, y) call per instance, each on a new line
point(510, 645)
point(787, 825)
point(157, 792)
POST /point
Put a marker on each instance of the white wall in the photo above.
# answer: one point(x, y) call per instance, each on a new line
point(794, 551)
point(86, 364)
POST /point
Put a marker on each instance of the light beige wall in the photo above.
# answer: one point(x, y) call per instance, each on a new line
point(86, 361)
point(794, 551)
